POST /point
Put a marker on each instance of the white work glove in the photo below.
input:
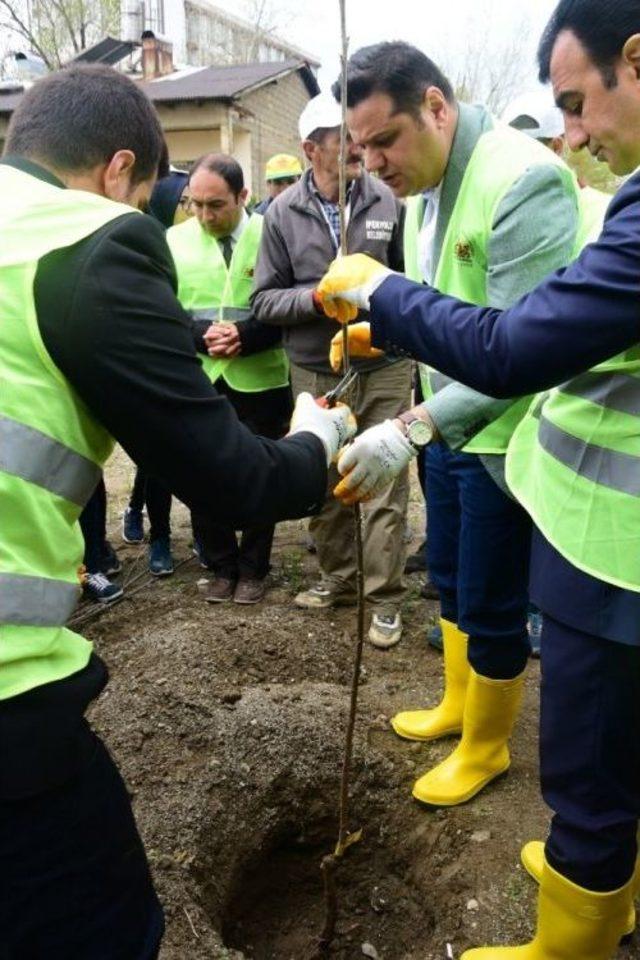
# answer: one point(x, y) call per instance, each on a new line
point(334, 426)
point(373, 460)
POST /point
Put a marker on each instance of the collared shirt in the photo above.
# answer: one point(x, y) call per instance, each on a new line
point(331, 211)
point(239, 229)
point(427, 236)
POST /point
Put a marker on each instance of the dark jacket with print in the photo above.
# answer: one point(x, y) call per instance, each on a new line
point(296, 249)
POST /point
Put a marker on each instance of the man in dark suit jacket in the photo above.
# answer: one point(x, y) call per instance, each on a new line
point(100, 332)
point(575, 467)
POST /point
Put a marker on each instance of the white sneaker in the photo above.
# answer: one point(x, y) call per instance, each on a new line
point(386, 629)
point(321, 596)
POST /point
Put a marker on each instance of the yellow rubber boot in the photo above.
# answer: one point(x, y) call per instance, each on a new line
point(482, 755)
point(532, 856)
point(573, 924)
point(445, 719)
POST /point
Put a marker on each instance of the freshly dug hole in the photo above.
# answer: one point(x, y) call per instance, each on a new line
point(276, 909)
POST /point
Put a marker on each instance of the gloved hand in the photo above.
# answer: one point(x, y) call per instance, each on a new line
point(373, 460)
point(348, 285)
point(333, 426)
point(359, 345)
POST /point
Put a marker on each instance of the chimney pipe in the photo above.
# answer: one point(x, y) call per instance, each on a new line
point(157, 56)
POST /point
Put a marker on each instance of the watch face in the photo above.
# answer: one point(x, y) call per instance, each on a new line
point(419, 433)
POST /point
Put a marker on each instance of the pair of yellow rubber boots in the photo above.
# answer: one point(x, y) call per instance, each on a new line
point(573, 923)
point(483, 710)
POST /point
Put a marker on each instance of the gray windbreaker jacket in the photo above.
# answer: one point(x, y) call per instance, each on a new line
point(297, 247)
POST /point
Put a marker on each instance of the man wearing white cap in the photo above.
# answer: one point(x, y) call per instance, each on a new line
point(536, 115)
point(300, 239)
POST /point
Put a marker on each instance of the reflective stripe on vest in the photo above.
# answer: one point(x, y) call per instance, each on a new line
point(52, 448)
point(224, 314)
point(36, 601)
point(37, 458)
point(574, 465)
point(608, 468)
point(615, 391)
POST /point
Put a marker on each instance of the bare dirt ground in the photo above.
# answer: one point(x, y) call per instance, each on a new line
point(228, 725)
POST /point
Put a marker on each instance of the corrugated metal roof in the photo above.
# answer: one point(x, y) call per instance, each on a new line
point(224, 83)
point(207, 83)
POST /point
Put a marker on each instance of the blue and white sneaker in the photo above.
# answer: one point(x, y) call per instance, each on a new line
point(132, 526)
point(100, 589)
point(160, 559)
point(198, 552)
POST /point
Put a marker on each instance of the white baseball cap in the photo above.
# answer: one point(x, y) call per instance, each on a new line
point(321, 112)
point(536, 115)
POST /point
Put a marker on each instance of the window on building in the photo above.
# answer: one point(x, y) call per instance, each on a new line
point(154, 15)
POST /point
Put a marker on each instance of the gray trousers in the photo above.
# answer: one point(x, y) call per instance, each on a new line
point(376, 396)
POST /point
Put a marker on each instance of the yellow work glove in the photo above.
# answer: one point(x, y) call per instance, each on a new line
point(348, 286)
point(359, 345)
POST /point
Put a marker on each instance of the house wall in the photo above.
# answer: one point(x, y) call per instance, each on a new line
point(273, 123)
point(263, 123)
point(192, 129)
point(185, 146)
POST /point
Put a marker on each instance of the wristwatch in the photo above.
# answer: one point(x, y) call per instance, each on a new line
point(418, 432)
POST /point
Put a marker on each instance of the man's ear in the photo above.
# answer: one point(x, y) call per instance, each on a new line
point(631, 53)
point(116, 175)
point(308, 148)
point(435, 103)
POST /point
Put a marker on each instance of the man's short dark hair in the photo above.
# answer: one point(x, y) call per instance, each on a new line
point(401, 71)
point(81, 116)
point(225, 166)
point(602, 29)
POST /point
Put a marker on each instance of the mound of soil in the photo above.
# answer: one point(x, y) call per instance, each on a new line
point(228, 725)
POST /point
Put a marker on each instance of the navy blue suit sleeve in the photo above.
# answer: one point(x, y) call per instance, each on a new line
point(578, 317)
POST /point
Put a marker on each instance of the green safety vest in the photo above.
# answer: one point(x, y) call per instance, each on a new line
point(208, 287)
point(574, 464)
point(500, 158)
point(52, 449)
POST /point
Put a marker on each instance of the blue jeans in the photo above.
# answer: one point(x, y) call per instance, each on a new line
point(590, 754)
point(75, 884)
point(478, 557)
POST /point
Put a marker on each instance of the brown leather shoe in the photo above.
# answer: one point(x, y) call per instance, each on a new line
point(219, 590)
point(250, 591)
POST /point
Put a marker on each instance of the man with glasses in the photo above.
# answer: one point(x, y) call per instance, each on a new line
point(215, 255)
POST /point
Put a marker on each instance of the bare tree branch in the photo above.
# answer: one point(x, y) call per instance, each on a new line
point(16, 22)
point(58, 29)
